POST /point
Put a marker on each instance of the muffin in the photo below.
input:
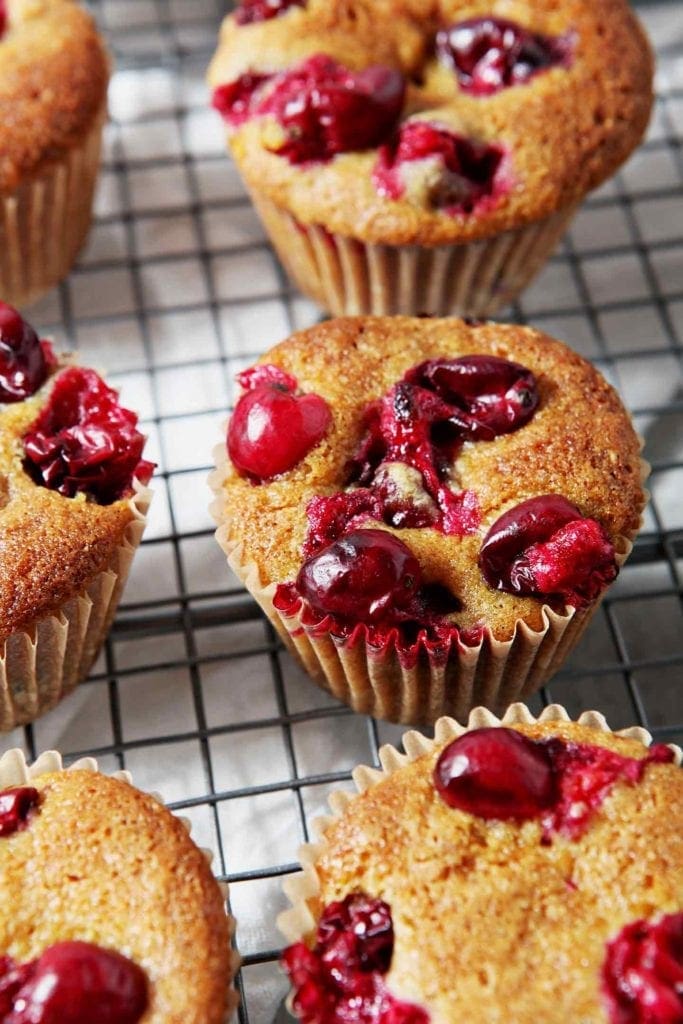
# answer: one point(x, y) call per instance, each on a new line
point(428, 511)
point(53, 103)
point(425, 156)
point(73, 500)
point(123, 923)
point(512, 871)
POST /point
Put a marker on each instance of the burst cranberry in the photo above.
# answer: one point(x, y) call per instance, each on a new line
point(273, 428)
point(489, 54)
point(469, 168)
point(15, 807)
point(340, 981)
point(73, 983)
point(25, 361)
point(250, 11)
point(642, 975)
point(3, 17)
point(545, 547)
point(489, 396)
point(85, 442)
point(365, 575)
point(495, 773)
point(326, 109)
point(235, 100)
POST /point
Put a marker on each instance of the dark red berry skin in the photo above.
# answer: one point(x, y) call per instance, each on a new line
point(642, 974)
point(85, 442)
point(73, 983)
point(544, 546)
point(366, 575)
point(325, 109)
point(490, 54)
point(25, 361)
point(16, 805)
point(3, 17)
point(235, 101)
point(250, 11)
point(272, 428)
point(470, 169)
point(495, 773)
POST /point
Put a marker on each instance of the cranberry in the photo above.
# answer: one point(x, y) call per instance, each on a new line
point(544, 546)
point(25, 361)
point(327, 109)
point(272, 428)
point(642, 975)
point(489, 54)
point(3, 17)
point(340, 981)
point(495, 773)
point(469, 168)
point(15, 807)
point(496, 396)
point(73, 983)
point(250, 11)
point(235, 100)
point(366, 574)
point(83, 441)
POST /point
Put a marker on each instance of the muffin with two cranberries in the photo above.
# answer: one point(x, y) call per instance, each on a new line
point(429, 511)
point(73, 500)
point(111, 914)
point(54, 72)
point(510, 872)
point(425, 156)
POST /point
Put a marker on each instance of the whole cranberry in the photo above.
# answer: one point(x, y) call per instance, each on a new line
point(642, 974)
point(495, 773)
point(15, 807)
point(272, 428)
point(25, 361)
point(544, 546)
point(496, 396)
point(490, 54)
point(250, 11)
point(365, 575)
point(79, 983)
point(326, 109)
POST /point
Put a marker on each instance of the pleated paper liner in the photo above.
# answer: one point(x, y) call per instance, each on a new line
point(40, 666)
point(303, 890)
point(14, 771)
point(350, 277)
point(44, 223)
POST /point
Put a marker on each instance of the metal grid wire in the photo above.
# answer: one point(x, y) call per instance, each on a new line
point(178, 290)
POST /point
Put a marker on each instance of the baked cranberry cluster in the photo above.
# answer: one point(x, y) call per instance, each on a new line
point(490, 54)
point(250, 11)
point(273, 427)
point(72, 983)
point(642, 975)
point(501, 774)
point(341, 980)
point(25, 360)
point(16, 805)
point(85, 442)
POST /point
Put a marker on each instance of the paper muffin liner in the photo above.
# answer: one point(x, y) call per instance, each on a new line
point(349, 277)
point(303, 889)
point(44, 223)
point(15, 771)
point(419, 688)
point(41, 665)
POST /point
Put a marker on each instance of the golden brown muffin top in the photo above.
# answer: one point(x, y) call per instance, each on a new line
point(51, 547)
point(580, 444)
point(54, 72)
point(490, 924)
point(104, 863)
point(564, 132)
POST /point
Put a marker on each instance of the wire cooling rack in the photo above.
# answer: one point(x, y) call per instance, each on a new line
point(175, 293)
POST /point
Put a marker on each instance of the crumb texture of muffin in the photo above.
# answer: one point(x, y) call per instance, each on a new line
point(492, 921)
point(97, 861)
